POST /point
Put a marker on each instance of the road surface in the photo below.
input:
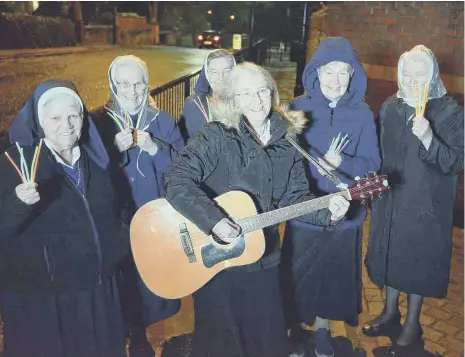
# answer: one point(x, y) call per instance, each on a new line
point(89, 72)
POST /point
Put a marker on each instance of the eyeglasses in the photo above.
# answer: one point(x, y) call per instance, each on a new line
point(248, 96)
point(138, 86)
point(217, 74)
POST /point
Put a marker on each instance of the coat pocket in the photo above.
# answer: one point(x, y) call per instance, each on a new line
point(50, 262)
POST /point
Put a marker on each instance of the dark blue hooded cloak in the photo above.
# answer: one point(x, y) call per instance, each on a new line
point(193, 119)
point(322, 268)
point(351, 116)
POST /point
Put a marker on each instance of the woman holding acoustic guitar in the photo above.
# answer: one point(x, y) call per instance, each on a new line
point(239, 312)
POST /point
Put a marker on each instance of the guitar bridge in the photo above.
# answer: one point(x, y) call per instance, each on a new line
point(187, 243)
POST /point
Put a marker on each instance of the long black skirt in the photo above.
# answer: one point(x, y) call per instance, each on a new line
point(85, 323)
point(239, 314)
point(321, 274)
point(141, 308)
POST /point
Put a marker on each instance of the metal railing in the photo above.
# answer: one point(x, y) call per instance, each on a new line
point(170, 96)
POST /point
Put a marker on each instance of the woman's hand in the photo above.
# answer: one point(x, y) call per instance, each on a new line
point(330, 162)
point(124, 140)
point(422, 130)
point(226, 230)
point(146, 143)
point(27, 192)
point(338, 206)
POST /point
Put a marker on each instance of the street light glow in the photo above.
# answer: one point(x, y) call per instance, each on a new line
point(231, 17)
point(209, 12)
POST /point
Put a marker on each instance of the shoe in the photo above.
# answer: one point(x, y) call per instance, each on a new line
point(324, 343)
point(412, 349)
point(140, 347)
point(390, 328)
point(297, 339)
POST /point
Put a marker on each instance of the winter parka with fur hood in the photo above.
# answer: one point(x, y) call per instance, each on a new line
point(226, 156)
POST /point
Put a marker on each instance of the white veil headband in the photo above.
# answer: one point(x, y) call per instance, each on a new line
point(148, 104)
point(51, 93)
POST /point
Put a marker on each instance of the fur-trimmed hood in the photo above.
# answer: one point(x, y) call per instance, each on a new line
point(225, 113)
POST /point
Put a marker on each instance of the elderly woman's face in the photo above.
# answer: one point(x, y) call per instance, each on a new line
point(219, 70)
point(334, 79)
point(252, 96)
point(415, 75)
point(130, 86)
point(62, 123)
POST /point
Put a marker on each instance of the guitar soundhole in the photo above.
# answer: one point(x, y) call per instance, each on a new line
point(218, 240)
point(212, 255)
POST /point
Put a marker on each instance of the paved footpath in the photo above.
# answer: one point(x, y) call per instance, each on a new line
point(442, 320)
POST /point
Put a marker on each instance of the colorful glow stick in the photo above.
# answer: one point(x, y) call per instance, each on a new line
point(425, 100)
point(338, 147)
point(26, 175)
point(202, 109)
point(16, 167)
point(343, 146)
point(36, 161)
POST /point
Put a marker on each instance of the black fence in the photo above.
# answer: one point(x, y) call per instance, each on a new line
point(170, 96)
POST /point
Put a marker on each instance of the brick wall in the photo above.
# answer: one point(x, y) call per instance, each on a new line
point(382, 30)
point(131, 23)
point(135, 31)
point(98, 35)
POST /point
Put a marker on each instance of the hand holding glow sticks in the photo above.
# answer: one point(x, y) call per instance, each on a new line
point(124, 140)
point(27, 192)
point(421, 128)
point(330, 162)
point(337, 145)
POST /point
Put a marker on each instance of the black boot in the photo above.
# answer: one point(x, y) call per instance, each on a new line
point(380, 326)
point(410, 339)
point(388, 323)
point(139, 346)
point(414, 347)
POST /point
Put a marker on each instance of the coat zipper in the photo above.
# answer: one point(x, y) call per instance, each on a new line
point(96, 238)
point(330, 126)
point(50, 269)
point(94, 229)
point(330, 137)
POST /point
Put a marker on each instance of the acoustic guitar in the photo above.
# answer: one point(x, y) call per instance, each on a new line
point(175, 258)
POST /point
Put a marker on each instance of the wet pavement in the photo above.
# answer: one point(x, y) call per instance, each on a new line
point(88, 70)
point(442, 320)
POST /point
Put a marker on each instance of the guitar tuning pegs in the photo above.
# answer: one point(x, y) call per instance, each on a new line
point(370, 174)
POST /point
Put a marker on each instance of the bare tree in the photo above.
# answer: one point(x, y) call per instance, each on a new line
point(153, 12)
point(78, 21)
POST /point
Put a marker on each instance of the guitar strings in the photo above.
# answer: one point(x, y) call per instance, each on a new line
point(202, 237)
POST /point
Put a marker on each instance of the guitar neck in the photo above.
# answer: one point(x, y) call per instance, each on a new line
point(271, 218)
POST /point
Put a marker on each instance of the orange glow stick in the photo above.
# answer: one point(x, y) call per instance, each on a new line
point(16, 167)
point(36, 163)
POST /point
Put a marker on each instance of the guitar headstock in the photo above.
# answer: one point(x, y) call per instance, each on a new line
point(372, 186)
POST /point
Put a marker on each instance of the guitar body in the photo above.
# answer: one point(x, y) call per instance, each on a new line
point(175, 258)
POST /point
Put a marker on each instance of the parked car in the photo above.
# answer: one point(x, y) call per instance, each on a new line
point(209, 39)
